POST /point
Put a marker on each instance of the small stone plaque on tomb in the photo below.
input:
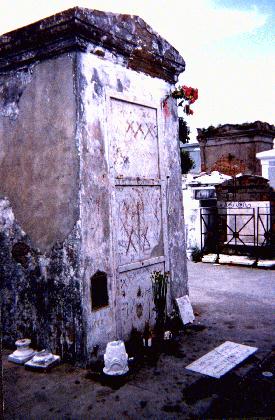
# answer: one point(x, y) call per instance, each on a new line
point(185, 308)
point(222, 359)
point(205, 193)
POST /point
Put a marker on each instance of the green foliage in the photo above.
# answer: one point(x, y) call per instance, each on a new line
point(196, 254)
point(184, 131)
point(186, 161)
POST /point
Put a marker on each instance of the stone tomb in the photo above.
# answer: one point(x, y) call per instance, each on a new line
point(231, 148)
point(90, 180)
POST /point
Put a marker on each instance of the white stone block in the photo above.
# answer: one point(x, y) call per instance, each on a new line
point(222, 359)
point(23, 353)
point(266, 263)
point(209, 258)
point(186, 310)
point(236, 260)
point(43, 360)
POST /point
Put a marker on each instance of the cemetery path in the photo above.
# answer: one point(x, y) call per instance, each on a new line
point(230, 303)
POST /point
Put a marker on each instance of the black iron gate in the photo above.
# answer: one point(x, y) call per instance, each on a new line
point(242, 231)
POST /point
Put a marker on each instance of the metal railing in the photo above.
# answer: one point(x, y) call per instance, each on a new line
point(251, 231)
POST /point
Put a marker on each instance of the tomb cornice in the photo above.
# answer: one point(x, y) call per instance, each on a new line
point(80, 29)
point(236, 131)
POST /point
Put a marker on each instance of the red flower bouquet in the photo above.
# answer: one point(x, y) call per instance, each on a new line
point(185, 93)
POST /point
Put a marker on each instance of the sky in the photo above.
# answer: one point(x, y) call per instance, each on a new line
point(228, 46)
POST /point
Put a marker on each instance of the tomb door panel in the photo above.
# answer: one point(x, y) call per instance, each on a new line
point(139, 210)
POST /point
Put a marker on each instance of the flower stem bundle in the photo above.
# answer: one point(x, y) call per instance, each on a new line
point(159, 288)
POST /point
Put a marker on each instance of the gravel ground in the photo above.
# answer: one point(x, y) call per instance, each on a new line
point(230, 303)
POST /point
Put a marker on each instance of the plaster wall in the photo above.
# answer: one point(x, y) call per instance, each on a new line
point(192, 221)
point(39, 208)
point(267, 160)
point(269, 173)
point(112, 99)
point(38, 154)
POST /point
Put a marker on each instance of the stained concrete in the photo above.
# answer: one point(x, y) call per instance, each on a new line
point(39, 164)
point(40, 294)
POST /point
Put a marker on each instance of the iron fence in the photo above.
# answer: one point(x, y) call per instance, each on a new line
point(248, 231)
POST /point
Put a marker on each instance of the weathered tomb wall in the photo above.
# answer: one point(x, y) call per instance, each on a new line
point(38, 158)
point(40, 293)
point(102, 52)
point(130, 221)
point(39, 174)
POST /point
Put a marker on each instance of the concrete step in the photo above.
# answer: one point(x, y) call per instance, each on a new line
point(266, 264)
point(209, 258)
point(236, 260)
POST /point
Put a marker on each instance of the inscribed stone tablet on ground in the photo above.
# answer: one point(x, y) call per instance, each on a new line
point(185, 308)
point(222, 359)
